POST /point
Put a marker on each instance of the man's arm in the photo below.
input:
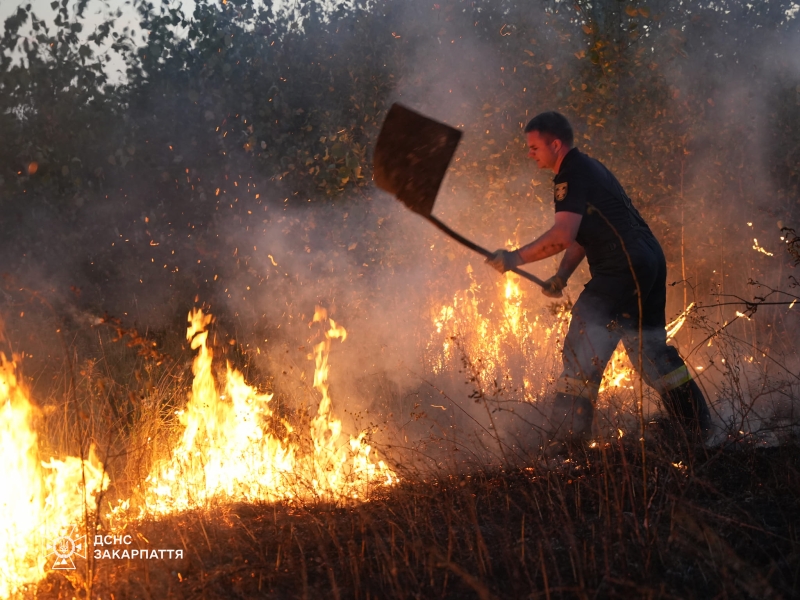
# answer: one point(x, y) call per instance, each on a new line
point(572, 258)
point(559, 237)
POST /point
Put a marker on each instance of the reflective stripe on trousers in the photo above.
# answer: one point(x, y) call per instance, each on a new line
point(672, 380)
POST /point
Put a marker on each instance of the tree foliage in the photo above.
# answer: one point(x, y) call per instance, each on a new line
point(693, 105)
point(300, 95)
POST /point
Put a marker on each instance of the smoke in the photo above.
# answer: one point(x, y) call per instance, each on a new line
point(692, 136)
point(723, 230)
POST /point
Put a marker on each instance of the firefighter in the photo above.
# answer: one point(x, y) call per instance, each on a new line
point(595, 219)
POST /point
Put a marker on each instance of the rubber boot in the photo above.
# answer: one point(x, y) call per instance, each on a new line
point(687, 405)
point(571, 418)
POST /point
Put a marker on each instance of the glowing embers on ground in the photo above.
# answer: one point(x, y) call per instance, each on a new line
point(38, 500)
point(228, 451)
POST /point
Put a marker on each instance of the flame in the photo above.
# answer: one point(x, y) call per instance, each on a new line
point(502, 343)
point(619, 371)
point(227, 451)
point(674, 326)
point(38, 500)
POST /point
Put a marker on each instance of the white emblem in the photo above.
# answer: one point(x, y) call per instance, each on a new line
point(66, 545)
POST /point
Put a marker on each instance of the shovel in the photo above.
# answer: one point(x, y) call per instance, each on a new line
point(411, 159)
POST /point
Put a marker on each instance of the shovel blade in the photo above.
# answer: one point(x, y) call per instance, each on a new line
point(412, 156)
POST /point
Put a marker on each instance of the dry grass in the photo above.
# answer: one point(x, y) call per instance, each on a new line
point(694, 523)
point(721, 524)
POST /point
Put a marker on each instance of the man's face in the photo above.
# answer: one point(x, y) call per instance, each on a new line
point(543, 149)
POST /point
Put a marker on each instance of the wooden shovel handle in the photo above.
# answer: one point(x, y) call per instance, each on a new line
point(482, 251)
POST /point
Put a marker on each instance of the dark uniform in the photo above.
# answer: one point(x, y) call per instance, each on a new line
point(617, 241)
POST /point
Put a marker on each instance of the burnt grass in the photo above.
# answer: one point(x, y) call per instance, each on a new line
point(717, 523)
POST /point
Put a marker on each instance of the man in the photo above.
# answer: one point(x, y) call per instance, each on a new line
point(594, 218)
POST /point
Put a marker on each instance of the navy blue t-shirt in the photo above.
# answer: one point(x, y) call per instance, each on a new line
point(586, 187)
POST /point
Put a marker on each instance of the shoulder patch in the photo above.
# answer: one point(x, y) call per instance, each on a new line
point(561, 191)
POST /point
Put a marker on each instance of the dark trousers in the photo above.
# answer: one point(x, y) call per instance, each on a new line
point(606, 312)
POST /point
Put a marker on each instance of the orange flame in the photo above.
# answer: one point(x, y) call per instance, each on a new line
point(38, 500)
point(503, 342)
point(227, 452)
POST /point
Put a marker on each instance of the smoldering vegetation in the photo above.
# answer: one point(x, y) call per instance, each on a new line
point(231, 168)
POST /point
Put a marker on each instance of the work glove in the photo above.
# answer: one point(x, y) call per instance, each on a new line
point(504, 260)
point(553, 286)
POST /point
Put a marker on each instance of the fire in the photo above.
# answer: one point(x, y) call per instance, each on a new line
point(231, 447)
point(503, 343)
point(38, 500)
point(674, 326)
point(227, 450)
point(619, 371)
point(492, 332)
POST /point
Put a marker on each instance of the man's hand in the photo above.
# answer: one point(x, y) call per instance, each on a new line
point(503, 260)
point(553, 286)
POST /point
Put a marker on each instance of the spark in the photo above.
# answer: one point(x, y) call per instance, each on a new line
point(760, 249)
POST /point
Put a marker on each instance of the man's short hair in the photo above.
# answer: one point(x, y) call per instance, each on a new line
point(553, 124)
